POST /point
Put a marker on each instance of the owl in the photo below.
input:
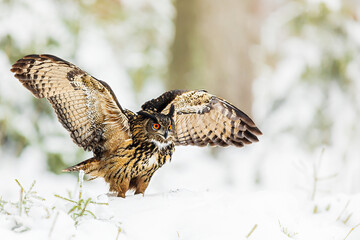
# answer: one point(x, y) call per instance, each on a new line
point(129, 147)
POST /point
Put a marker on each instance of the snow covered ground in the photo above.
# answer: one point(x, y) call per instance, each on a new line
point(193, 197)
point(184, 214)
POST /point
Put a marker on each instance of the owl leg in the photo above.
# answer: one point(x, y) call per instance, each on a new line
point(141, 184)
point(123, 187)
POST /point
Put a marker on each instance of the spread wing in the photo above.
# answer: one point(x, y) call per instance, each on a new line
point(85, 106)
point(202, 118)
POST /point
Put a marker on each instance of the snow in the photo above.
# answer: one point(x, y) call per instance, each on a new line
point(180, 203)
point(210, 214)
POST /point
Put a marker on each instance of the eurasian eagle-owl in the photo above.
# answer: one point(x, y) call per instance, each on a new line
point(129, 147)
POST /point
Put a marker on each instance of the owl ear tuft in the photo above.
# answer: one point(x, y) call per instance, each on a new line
point(171, 111)
point(147, 115)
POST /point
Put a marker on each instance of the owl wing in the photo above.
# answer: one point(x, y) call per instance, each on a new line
point(202, 118)
point(85, 106)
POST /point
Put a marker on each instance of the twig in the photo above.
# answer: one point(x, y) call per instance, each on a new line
point(81, 181)
point(32, 186)
point(346, 205)
point(286, 232)
point(21, 197)
point(352, 229)
point(99, 203)
point(83, 210)
point(348, 218)
point(118, 234)
point(252, 230)
point(53, 224)
point(316, 168)
point(64, 198)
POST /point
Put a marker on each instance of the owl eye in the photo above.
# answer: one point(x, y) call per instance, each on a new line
point(170, 127)
point(156, 126)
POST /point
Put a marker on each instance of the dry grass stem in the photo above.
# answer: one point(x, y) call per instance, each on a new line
point(252, 230)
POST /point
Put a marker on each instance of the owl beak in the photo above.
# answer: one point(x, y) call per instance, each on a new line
point(166, 134)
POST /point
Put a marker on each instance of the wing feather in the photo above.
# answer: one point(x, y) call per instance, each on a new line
point(85, 106)
point(204, 119)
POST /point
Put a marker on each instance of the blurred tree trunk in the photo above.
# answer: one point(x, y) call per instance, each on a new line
point(212, 47)
point(184, 71)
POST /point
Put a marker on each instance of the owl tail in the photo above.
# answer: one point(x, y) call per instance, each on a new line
point(90, 166)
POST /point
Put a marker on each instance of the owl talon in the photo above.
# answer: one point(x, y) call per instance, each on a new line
point(143, 193)
point(121, 194)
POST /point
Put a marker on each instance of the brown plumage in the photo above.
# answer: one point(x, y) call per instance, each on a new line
point(129, 147)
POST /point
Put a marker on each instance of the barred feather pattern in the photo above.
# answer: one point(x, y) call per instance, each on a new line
point(85, 106)
point(133, 163)
point(204, 119)
point(129, 147)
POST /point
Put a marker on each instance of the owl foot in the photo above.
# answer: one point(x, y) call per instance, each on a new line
point(121, 194)
point(123, 188)
point(143, 193)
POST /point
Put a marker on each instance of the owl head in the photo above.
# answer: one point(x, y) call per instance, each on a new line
point(159, 127)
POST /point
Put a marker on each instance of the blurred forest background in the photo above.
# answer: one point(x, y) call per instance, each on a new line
point(294, 66)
